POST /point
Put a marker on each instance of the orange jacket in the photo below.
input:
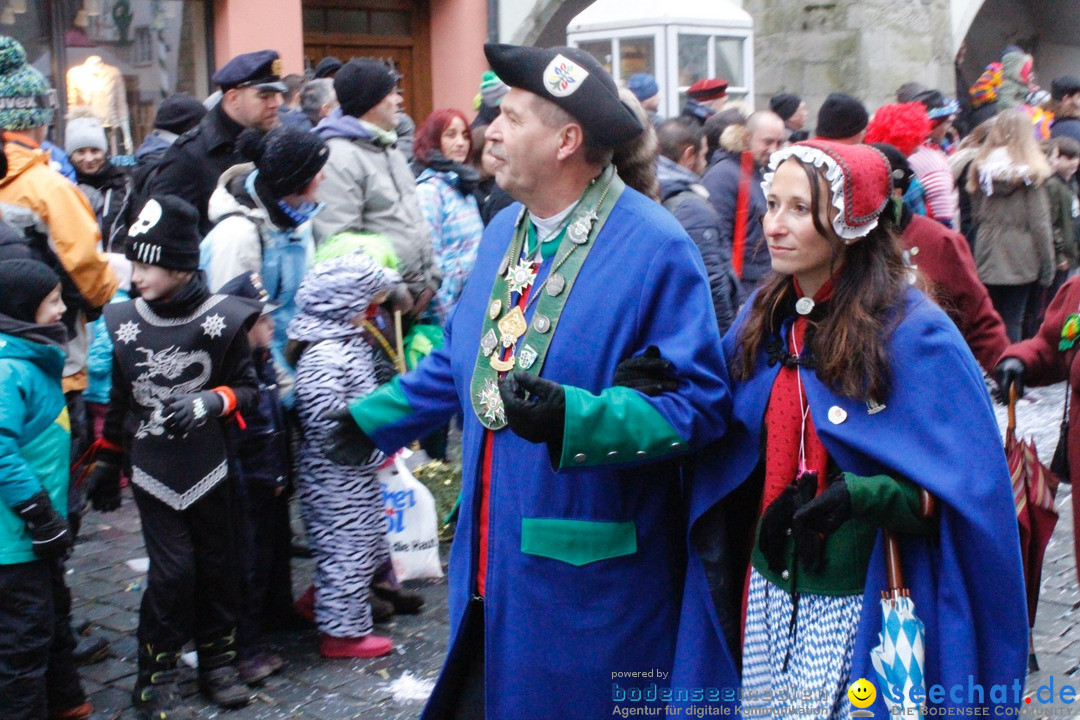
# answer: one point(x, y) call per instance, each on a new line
point(65, 213)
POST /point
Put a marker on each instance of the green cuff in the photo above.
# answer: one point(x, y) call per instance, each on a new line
point(888, 502)
point(618, 426)
point(385, 406)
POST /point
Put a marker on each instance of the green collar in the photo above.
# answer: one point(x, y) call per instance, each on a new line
point(507, 339)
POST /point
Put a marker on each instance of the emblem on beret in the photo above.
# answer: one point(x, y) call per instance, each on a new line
point(563, 77)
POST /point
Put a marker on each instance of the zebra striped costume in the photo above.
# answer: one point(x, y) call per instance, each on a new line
point(341, 505)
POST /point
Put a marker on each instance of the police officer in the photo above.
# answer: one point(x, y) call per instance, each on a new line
point(251, 90)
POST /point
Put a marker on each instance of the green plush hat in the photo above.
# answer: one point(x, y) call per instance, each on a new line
point(26, 100)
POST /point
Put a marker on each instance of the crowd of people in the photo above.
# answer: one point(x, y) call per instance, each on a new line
point(705, 368)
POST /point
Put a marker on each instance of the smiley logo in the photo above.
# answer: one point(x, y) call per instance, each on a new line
point(862, 693)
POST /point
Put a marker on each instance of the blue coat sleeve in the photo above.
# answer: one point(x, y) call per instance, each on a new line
point(18, 481)
point(674, 314)
point(411, 405)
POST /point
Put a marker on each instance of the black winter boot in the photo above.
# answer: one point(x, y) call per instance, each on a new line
point(156, 696)
point(219, 678)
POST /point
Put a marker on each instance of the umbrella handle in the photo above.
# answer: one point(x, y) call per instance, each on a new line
point(1011, 427)
point(894, 571)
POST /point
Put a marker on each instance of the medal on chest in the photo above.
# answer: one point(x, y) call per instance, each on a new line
point(508, 339)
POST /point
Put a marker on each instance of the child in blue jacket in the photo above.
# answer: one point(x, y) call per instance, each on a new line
point(35, 604)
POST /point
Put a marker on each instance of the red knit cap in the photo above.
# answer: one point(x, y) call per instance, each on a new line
point(858, 177)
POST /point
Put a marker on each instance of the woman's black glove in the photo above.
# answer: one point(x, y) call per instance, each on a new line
point(818, 519)
point(650, 374)
point(539, 421)
point(1010, 373)
point(184, 413)
point(103, 486)
point(346, 443)
point(48, 531)
point(775, 525)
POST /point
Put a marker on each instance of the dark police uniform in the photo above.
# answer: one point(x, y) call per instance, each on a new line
point(191, 167)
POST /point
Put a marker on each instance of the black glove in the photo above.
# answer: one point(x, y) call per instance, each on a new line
point(103, 486)
point(539, 421)
point(818, 519)
point(346, 442)
point(776, 520)
point(650, 373)
point(1010, 373)
point(184, 413)
point(48, 531)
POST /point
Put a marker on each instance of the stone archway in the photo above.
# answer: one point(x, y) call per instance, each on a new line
point(1044, 28)
point(546, 23)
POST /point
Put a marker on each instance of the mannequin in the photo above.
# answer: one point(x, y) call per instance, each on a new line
point(100, 87)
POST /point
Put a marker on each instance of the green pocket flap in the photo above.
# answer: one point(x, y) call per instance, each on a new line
point(578, 542)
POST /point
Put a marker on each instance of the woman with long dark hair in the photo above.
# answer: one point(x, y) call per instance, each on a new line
point(445, 184)
point(853, 394)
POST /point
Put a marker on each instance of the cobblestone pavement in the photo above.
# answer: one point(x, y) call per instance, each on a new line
point(107, 592)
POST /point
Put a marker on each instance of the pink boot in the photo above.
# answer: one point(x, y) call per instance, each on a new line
point(367, 646)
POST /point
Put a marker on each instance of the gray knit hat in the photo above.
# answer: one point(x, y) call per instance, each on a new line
point(26, 100)
point(84, 132)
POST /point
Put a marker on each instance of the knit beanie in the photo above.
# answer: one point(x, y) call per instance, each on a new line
point(362, 83)
point(165, 234)
point(26, 283)
point(841, 116)
point(287, 158)
point(492, 89)
point(643, 85)
point(84, 132)
point(26, 100)
point(178, 113)
point(785, 105)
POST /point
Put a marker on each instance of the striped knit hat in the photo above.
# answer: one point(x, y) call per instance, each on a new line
point(26, 100)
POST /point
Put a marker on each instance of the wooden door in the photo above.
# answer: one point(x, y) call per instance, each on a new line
point(396, 32)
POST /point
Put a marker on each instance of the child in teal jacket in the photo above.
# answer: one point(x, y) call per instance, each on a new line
point(35, 604)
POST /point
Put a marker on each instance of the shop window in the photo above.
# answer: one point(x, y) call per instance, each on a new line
point(28, 22)
point(123, 57)
point(599, 49)
point(636, 55)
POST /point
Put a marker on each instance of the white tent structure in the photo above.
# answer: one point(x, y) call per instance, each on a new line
point(677, 41)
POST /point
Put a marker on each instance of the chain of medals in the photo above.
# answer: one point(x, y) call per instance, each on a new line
point(520, 275)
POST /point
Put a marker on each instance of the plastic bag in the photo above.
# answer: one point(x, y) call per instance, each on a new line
point(411, 524)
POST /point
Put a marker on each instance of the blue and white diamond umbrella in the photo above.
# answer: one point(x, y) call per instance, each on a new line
point(899, 658)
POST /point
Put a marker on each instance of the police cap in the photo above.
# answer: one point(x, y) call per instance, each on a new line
point(260, 69)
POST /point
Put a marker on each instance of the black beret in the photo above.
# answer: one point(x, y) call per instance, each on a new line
point(179, 113)
point(362, 83)
point(260, 69)
point(900, 169)
point(841, 116)
point(572, 79)
point(1062, 86)
point(26, 284)
point(328, 67)
point(785, 105)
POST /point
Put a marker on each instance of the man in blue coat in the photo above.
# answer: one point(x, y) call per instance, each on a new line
point(567, 565)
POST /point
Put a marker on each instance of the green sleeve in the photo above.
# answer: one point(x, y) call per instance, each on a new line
point(616, 427)
point(888, 502)
point(385, 406)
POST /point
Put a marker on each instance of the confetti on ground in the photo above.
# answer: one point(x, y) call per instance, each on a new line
point(410, 689)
